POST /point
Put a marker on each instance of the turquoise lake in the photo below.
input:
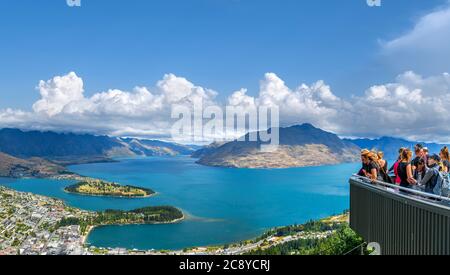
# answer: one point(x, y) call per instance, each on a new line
point(223, 205)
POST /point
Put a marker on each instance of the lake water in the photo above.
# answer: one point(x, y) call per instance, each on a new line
point(223, 205)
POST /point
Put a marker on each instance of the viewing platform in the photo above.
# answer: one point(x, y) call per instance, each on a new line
point(402, 221)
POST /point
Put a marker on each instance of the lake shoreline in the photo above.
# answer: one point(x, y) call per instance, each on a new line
point(200, 190)
point(275, 168)
point(93, 227)
point(110, 196)
point(264, 241)
point(79, 179)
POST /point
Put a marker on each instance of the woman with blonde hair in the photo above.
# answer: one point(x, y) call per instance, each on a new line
point(445, 157)
point(383, 164)
point(405, 171)
point(370, 160)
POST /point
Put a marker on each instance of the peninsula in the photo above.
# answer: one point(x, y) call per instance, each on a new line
point(94, 187)
point(14, 167)
point(146, 215)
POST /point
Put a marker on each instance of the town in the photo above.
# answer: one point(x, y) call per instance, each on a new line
point(30, 225)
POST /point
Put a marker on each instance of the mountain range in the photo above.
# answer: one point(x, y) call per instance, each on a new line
point(390, 145)
point(40, 154)
point(300, 145)
point(70, 148)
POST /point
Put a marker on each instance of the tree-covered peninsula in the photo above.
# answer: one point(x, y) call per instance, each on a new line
point(92, 187)
point(146, 215)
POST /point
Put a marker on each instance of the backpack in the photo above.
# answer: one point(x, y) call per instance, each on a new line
point(442, 185)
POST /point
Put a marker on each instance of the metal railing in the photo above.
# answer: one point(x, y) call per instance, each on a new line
point(401, 220)
point(425, 195)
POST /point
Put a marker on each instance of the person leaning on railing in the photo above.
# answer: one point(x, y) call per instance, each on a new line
point(420, 154)
point(429, 181)
point(383, 164)
point(364, 169)
point(420, 171)
point(394, 167)
point(428, 173)
point(371, 168)
point(405, 171)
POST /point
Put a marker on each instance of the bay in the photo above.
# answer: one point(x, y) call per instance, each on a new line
point(222, 205)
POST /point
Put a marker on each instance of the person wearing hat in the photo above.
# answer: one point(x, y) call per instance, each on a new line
point(363, 172)
point(432, 174)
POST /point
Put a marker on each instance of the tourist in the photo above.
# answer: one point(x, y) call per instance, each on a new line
point(420, 172)
point(383, 164)
point(445, 157)
point(394, 167)
point(364, 170)
point(420, 154)
point(405, 172)
point(430, 179)
point(372, 168)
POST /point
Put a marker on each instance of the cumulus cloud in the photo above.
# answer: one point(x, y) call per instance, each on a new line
point(425, 47)
point(140, 112)
point(313, 104)
point(412, 106)
point(59, 92)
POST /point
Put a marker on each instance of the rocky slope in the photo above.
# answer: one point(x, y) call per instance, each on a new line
point(156, 147)
point(302, 145)
point(13, 167)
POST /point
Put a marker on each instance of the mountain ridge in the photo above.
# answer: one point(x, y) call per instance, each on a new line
point(71, 148)
point(391, 145)
point(300, 145)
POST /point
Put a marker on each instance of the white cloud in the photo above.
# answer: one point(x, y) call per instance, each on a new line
point(240, 98)
point(426, 47)
point(413, 106)
point(313, 104)
point(140, 112)
point(58, 92)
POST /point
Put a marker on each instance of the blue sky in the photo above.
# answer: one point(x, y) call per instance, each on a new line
point(221, 44)
point(224, 45)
